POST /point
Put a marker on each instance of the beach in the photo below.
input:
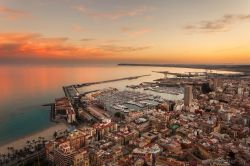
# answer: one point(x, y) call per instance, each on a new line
point(46, 133)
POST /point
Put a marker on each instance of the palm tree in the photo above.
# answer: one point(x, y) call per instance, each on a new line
point(4, 155)
point(12, 149)
point(8, 156)
point(8, 148)
point(21, 151)
point(43, 140)
point(33, 143)
point(28, 142)
point(39, 140)
point(55, 134)
point(29, 147)
point(1, 158)
point(16, 153)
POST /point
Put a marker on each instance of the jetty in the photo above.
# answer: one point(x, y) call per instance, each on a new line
point(107, 81)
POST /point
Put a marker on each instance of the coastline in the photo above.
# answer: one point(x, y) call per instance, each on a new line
point(232, 68)
point(47, 133)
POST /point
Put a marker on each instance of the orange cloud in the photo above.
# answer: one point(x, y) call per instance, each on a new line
point(32, 44)
point(12, 14)
point(35, 47)
point(113, 15)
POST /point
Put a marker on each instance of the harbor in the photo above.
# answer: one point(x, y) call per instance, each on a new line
point(107, 81)
point(136, 103)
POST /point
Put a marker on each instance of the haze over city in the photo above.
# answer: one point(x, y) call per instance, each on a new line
point(97, 31)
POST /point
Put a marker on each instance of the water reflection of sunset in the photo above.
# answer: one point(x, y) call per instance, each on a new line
point(32, 81)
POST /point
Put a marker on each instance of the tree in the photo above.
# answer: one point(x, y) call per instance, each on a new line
point(118, 114)
point(206, 88)
point(122, 116)
point(55, 134)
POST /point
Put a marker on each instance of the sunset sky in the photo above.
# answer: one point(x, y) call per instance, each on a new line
point(125, 31)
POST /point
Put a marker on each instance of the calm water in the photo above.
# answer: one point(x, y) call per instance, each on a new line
point(23, 89)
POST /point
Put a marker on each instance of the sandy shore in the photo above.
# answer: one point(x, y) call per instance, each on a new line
point(46, 133)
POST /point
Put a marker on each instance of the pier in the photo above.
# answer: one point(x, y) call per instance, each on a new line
point(107, 81)
point(71, 91)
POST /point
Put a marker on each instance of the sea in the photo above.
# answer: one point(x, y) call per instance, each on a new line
point(24, 89)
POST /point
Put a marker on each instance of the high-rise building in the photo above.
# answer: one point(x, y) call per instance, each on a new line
point(215, 83)
point(188, 95)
